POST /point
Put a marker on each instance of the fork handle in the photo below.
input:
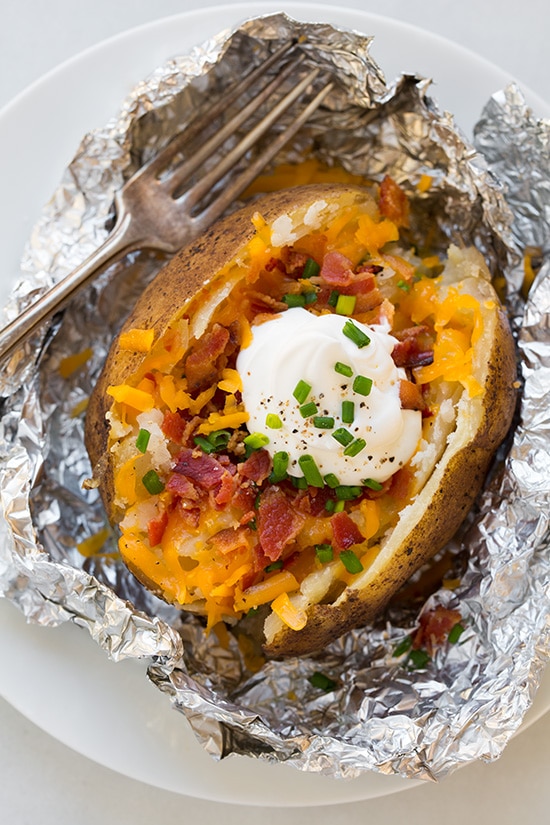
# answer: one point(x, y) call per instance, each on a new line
point(120, 241)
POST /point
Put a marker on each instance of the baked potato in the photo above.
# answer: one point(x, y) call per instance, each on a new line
point(300, 411)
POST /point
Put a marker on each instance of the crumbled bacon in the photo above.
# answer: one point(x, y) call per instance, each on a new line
point(224, 493)
point(294, 262)
point(182, 487)
point(260, 302)
point(411, 396)
point(174, 426)
point(345, 532)
point(312, 501)
point(278, 522)
point(274, 263)
point(400, 483)
point(228, 540)
point(393, 202)
point(257, 466)
point(337, 270)
point(156, 528)
point(200, 365)
point(200, 467)
point(244, 497)
point(435, 626)
point(414, 347)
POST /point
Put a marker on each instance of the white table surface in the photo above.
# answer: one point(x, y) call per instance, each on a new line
point(43, 781)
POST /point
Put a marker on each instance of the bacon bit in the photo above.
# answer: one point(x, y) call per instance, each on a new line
point(294, 262)
point(336, 269)
point(260, 302)
point(228, 540)
point(182, 487)
point(275, 263)
point(156, 528)
point(393, 202)
point(243, 499)
point(414, 347)
point(173, 426)
point(257, 466)
point(345, 532)
point(400, 484)
point(312, 501)
point(411, 396)
point(434, 629)
point(204, 469)
point(200, 365)
point(225, 491)
point(278, 523)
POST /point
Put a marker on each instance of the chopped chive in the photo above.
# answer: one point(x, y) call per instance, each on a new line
point(252, 524)
point(280, 464)
point(204, 444)
point(273, 421)
point(219, 438)
point(152, 483)
point(455, 633)
point(275, 565)
point(362, 385)
point(343, 369)
point(294, 300)
point(299, 483)
point(308, 409)
point(348, 412)
point(323, 422)
point(333, 298)
point(350, 561)
point(324, 552)
point(252, 611)
point(372, 484)
point(404, 286)
point(142, 440)
point(311, 269)
point(403, 647)
point(330, 505)
point(343, 436)
point(319, 680)
point(257, 500)
point(256, 440)
point(355, 334)
point(417, 659)
point(301, 391)
point(331, 480)
point(355, 447)
point(310, 297)
point(347, 492)
point(339, 506)
point(345, 304)
point(310, 471)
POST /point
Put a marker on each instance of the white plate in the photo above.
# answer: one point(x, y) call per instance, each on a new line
point(60, 680)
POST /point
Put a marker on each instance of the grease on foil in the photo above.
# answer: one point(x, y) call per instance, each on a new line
point(468, 701)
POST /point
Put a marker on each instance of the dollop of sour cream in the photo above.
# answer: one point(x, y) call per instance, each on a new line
point(300, 349)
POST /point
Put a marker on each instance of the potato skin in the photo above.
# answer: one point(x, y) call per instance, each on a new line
point(450, 491)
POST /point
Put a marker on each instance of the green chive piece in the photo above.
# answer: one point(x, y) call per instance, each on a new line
point(275, 565)
point(306, 410)
point(372, 484)
point(355, 447)
point(362, 385)
point(152, 483)
point(299, 483)
point(347, 492)
point(350, 561)
point(256, 440)
point(343, 369)
point(219, 438)
point(310, 471)
point(355, 334)
point(204, 444)
point(417, 660)
point(403, 647)
point(343, 436)
point(294, 300)
point(301, 391)
point(331, 481)
point(252, 524)
point(273, 421)
point(311, 269)
point(455, 633)
point(330, 505)
point(319, 680)
point(323, 422)
point(280, 465)
point(142, 440)
point(252, 611)
point(324, 553)
point(310, 297)
point(345, 304)
point(333, 298)
point(348, 412)
point(339, 506)
point(404, 286)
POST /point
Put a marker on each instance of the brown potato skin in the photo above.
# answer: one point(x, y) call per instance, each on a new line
point(171, 290)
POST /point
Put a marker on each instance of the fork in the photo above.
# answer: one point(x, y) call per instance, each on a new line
point(155, 210)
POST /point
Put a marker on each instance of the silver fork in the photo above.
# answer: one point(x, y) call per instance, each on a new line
point(155, 210)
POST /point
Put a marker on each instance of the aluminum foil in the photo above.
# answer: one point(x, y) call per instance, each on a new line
point(381, 714)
